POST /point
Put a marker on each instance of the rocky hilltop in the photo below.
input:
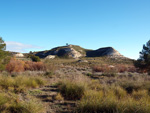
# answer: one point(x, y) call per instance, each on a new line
point(107, 51)
point(74, 51)
point(71, 51)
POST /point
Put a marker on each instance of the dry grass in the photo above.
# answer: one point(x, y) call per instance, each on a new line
point(125, 93)
point(12, 103)
point(114, 101)
point(73, 88)
point(20, 83)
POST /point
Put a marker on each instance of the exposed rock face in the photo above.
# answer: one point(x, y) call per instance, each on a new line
point(50, 57)
point(64, 51)
point(18, 55)
point(70, 52)
point(73, 51)
point(107, 51)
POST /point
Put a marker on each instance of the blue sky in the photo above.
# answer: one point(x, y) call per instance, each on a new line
point(33, 25)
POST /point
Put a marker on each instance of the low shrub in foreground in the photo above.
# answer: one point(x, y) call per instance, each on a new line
point(20, 83)
point(130, 86)
point(11, 103)
point(112, 102)
point(71, 90)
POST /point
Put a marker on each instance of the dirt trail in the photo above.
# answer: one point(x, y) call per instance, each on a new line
point(54, 106)
point(48, 93)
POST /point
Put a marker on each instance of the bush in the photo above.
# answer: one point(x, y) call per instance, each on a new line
point(35, 58)
point(121, 68)
point(130, 86)
point(102, 102)
point(20, 83)
point(13, 104)
point(71, 91)
point(34, 66)
point(19, 66)
point(15, 65)
point(137, 95)
point(99, 68)
point(96, 102)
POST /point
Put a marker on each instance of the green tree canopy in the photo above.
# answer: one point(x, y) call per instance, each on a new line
point(2, 44)
point(4, 59)
point(144, 60)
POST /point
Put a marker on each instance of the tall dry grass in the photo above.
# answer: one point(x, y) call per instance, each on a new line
point(20, 84)
point(114, 101)
point(12, 103)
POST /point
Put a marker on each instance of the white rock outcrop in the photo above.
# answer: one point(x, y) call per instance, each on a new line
point(74, 54)
point(50, 57)
point(18, 55)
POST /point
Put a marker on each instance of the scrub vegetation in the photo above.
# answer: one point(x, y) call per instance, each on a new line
point(85, 85)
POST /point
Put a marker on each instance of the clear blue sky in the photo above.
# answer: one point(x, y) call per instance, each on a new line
point(31, 25)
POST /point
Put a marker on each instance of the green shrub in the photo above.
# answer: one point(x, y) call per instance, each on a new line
point(10, 103)
point(48, 74)
point(89, 74)
point(20, 83)
point(96, 102)
point(35, 58)
point(71, 91)
point(101, 102)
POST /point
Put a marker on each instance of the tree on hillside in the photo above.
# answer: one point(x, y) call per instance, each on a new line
point(3, 55)
point(2, 45)
point(144, 60)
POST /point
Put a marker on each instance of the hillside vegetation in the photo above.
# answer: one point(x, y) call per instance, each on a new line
point(76, 80)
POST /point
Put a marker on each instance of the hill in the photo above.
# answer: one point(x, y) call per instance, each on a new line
point(74, 51)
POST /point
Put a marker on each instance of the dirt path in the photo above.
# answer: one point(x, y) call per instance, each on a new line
point(51, 104)
point(47, 93)
point(47, 96)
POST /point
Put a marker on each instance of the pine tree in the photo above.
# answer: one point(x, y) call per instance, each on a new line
point(4, 59)
point(144, 60)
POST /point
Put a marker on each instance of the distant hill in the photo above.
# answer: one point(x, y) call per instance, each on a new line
point(71, 51)
point(74, 51)
point(107, 51)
